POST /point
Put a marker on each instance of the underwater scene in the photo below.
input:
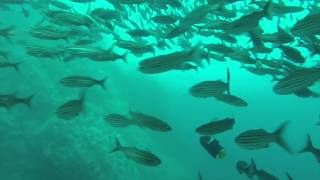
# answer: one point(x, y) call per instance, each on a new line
point(159, 90)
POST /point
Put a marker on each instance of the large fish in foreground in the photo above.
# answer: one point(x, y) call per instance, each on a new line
point(137, 155)
point(260, 138)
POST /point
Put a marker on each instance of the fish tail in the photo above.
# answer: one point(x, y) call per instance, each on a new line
point(103, 82)
point(124, 57)
point(16, 66)
point(117, 147)
point(228, 81)
point(5, 55)
point(28, 101)
point(308, 147)
point(7, 33)
point(196, 54)
point(266, 10)
point(279, 136)
point(196, 68)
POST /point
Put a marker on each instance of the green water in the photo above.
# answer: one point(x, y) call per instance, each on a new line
point(37, 145)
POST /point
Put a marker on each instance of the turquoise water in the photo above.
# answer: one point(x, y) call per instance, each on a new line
point(37, 145)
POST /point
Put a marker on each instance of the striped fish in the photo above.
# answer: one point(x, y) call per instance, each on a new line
point(167, 62)
point(216, 127)
point(208, 89)
point(82, 81)
point(211, 88)
point(260, 138)
point(308, 26)
point(153, 123)
point(137, 155)
point(118, 120)
point(279, 37)
point(71, 109)
point(242, 57)
point(41, 51)
point(293, 54)
point(297, 80)
point(232, 100)
point(219, 48)
point(49, 33)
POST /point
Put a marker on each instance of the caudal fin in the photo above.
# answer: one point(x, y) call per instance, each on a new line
point(16, 66)
point(124, 57)
point(118, 146)
point(7, 32)
point(309, 146)
point(28, 101)
point(279, 137)
point(102, 82)
point(266, 10)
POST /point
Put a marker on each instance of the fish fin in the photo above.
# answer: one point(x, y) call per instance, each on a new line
point(309, 146)
point(117, 147)
point(253, 167)
point(82, 95)
point(279, 136)
point(228, 81)
point(102, 82)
